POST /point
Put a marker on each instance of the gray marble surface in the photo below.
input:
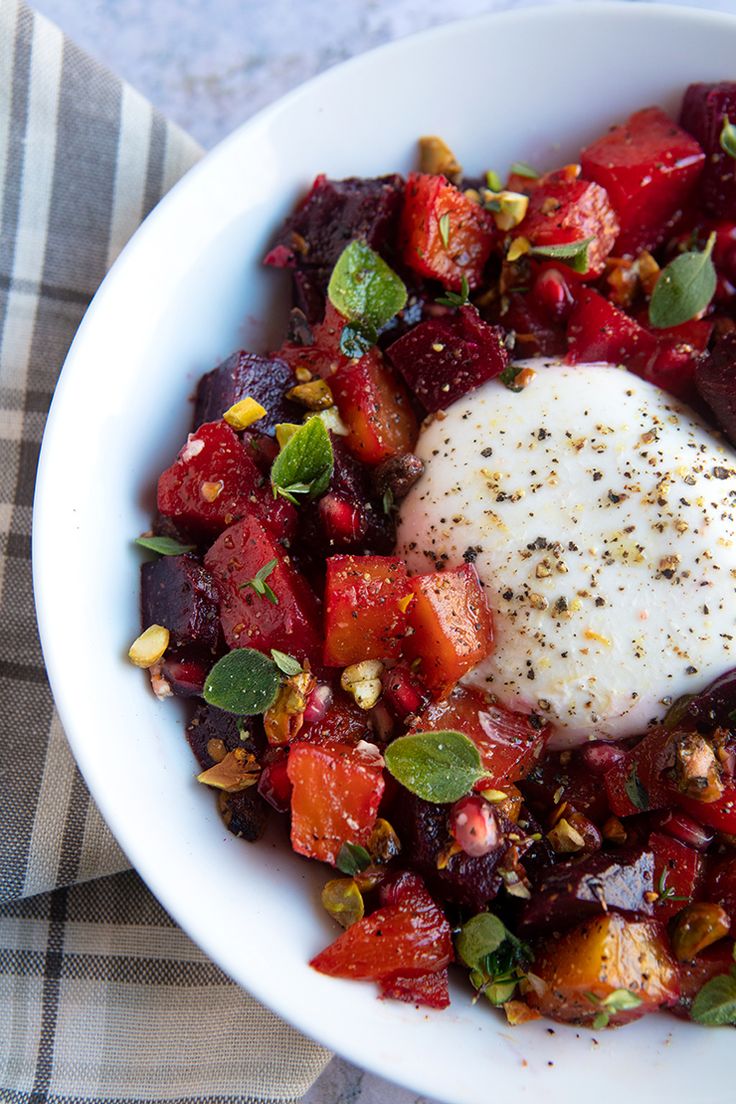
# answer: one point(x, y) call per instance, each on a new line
point(209, 64)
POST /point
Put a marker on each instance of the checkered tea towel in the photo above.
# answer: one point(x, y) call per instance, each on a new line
point(102, 997)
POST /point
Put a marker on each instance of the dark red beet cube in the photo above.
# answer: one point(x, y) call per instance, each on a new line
point(649, 166)
point(243, 375)
point(245, 813)
point(715, 380)
point(425, 835)
point(334, 213)
point(534, 333)
point(186, 671)
point(212, 730)
point(213, 481)
point(570, 892)
point(180, 594)
point(445, 358)
point(703, 110)
point(720, 887)
point(292, 623)
point(598, 331)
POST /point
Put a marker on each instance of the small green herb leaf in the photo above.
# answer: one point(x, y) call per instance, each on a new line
point(364, 289)
point(437, 766)
point(621, 1000)
point(728, 137)
point(574, 254)
point(520, 168)
point(389, 501)
point(508, 377)
point(456, 298)
point(352, 859)
point(355, 341)
point(666, 893)
point(165, 546)
point(444, 228)
point(715, 1004)
point(636, 791)
point(244, 682)
point(305, 463)
point(493, 180)
point(286, 663)
point(259, 584)
point(479, 937)
point(685, 287)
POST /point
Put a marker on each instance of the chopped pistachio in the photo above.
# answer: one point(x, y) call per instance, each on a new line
point(698, 926)
point(343, 900)
point(211, 490)
point(564, 838)
point(237, 771)
point(518, 248)
point(148, 648)
point(244, 413)
point(508, 208)
point(315, 395)
point(285, 431)
point(436, 157)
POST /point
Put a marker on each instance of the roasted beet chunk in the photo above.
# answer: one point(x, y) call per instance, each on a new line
point(245, 375)
point(212, 733)
point(703, 110)
point(715, 379)
point(424, 834)
point(177, 592)
point(245, 813)
point(445, 358)
point(570, 892)
point(334, 213)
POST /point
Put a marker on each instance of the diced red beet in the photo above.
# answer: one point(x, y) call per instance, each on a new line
point(714, 961)
point(408, 939)
point(555, 778)
point(509, 743)
point(250, 620)
point(425, 839)
point(685, 829)
point(186, 671)
point(570, 892)
point(373, 403)
point(212, 729)
point(444, 234)
point(678, 870)
point(180, 594)
point(649, 166)
point(451, 626)
point(720, 814)
point(703, 110)
point(342, 722)
point(245, 813)
point(244, 375)
point(363, 615)
point(635, 784)
point(337, 788)
point(213, 482)
point(332, 214)
point(598, 331)
point(564, 211)
point(715, 379)
point(445, 358)
point(678, 350)
point(534, 333)
point(427, 990)
point(720, 886)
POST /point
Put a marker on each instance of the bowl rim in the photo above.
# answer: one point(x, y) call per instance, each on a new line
point(165, 210)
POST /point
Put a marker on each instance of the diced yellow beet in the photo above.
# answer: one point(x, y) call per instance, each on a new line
point(586, 965)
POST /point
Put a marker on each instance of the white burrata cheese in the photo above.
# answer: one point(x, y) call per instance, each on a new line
point(600, 514)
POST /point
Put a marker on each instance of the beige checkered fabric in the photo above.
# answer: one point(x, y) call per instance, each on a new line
point(102, 997)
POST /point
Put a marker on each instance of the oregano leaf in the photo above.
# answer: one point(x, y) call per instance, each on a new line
point(574, 254)
point(684, 288)
point(165, 546)
point(244, 682)
point(715, 1004)
point(305, 463)
point(364, 289)
point(437, 766)
point(352, 859)
point(286, 663)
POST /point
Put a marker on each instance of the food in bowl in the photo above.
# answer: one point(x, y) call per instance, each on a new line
point(451, 574)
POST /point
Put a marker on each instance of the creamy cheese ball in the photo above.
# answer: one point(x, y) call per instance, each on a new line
point(600, 514)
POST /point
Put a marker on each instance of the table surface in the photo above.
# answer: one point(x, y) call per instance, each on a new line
point(209, 66)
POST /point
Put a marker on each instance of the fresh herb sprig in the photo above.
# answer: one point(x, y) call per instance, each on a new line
point(496, 958)
point(352, 859)
point(715, 1004)
point(620, 1000)
point(684, 288)
point(365, 291)
point(164, 546)
point(574, 254)
point(305, 464)
point(456, 298)
point(260, 586)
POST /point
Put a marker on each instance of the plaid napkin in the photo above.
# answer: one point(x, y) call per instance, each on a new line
point(102, 997)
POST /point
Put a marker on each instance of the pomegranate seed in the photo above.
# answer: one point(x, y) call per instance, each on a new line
point(318, 702)
point(401, 692)
point(474, 826)
point(343, 522)
point(274, 785)
point(551, 291)
point(687, 830)
point(599, 758)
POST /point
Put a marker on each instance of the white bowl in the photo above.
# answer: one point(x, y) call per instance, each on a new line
point(529, 85)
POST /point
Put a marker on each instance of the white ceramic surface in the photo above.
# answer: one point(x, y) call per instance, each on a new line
point(529, 85)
